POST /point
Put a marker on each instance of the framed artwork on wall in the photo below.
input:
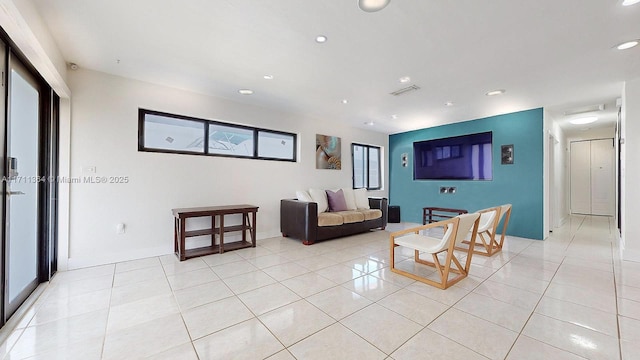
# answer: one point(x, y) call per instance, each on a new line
point(328, 152)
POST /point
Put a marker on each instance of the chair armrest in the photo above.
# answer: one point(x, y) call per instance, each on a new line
point(383, 205)
point(299, 219)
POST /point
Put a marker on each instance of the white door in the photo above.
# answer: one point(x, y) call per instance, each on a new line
point(602, 177)
point(581, 177)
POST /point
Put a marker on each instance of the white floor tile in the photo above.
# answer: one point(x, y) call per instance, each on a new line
point(339, 302)
point(527, 348)
point(476, 334)
point(495, 311)
point(335, 342)
point(294, 322)
point(382, 327)
point(268, 298)
point(414, 306)
point(202, 294)
point(428, 344)
point(573, 338)
point(231, 343)
point(209, 318)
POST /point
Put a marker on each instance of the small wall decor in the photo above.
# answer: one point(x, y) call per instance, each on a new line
point(405, 159)
point(328, 152)
point(507, 154)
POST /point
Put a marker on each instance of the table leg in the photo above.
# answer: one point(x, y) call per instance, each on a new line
point(182, 239)
point(253, 230)
point(244, 226)
point(221, 233)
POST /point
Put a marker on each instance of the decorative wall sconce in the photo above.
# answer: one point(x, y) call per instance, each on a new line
point(506, 154)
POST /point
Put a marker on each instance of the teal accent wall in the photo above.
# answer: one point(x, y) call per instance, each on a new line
point(520, 184)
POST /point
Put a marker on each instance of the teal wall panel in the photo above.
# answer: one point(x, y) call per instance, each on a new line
point(520, 184)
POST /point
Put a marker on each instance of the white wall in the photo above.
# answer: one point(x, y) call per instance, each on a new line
point(630, 170)
point(104, 134)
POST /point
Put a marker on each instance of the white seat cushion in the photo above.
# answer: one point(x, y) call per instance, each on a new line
point(421, 243)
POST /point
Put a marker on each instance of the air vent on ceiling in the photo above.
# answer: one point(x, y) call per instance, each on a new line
point(584, 109)
point(405, 90)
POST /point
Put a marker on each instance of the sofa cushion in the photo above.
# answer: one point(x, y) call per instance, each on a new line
point(371, 214)
point(302, 195)
point(349, 217)
point(362, 201)
point(336, 201)
point(349, 198)
point(319, 197)
point(329, 219)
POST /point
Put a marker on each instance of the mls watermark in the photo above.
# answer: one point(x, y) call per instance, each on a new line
point(67, 179)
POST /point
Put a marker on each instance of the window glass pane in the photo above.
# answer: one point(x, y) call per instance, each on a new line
point(275, 145)
point(358, 166)
point(374, 168)
point(167, 133)
point(230, 140)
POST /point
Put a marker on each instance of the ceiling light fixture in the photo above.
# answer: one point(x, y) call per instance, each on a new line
point(630, 2)
point(345, 101)
point(627, 44)
point(245, 91)
point(496, 92)
point(321, 39)
point(584, 120)
point(268, 77)
point(372, 5)
point(448, 103)
point(394, 116)
point(370, 123)
point(405, 79)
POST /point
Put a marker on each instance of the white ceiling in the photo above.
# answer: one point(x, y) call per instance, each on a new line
point(545, 53)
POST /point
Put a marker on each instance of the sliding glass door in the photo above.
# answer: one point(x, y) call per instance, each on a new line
point(22, 185)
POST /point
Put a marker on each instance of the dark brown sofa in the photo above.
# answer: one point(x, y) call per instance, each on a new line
point(299, 219)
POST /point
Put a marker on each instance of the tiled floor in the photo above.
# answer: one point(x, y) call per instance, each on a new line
point(557, 299)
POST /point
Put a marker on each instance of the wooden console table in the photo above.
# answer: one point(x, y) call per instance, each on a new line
point(180, 232)
point(433, 214)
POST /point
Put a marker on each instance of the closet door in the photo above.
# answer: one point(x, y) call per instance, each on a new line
point(581, 177)
point(602, 177)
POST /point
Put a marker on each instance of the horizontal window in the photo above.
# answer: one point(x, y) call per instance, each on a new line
point(161, 132)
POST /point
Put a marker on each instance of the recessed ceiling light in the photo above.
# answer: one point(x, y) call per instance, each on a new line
point(405, 79)
point(394, 116)
point(345, 101)
point(627, 45)
point(245, 91)
point(370, 123)
point(268, 77)
point(584, 120)
point(496, 92)
point(448, 103)
point(321, 38)
point(629, 2)
point(372, 5)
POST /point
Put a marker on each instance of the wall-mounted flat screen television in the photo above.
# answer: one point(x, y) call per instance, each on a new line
point(466, 157)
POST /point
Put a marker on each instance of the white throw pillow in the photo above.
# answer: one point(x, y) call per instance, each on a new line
point(362, 201)
point(320, 198)
point(349, 198)
point(303, 196)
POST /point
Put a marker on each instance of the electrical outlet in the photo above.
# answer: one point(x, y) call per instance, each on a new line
point(444, 190)
point(89, 169)
point(452, 190)
point(121, 228)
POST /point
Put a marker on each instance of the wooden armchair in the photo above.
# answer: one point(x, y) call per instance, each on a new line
point(455, 231)
point(487, 229)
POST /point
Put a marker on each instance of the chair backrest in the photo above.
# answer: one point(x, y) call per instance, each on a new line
point(488, 218)
point(465, 224)
point(504, 209)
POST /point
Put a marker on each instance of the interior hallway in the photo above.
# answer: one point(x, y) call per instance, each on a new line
point(569, 297)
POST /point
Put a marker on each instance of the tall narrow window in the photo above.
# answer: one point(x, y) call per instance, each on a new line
point(366, 166)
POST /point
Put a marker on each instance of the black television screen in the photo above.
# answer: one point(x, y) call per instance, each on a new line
point(466, 157)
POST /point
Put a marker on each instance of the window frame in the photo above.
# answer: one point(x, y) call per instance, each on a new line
point(367, 166)
point(205, 131)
